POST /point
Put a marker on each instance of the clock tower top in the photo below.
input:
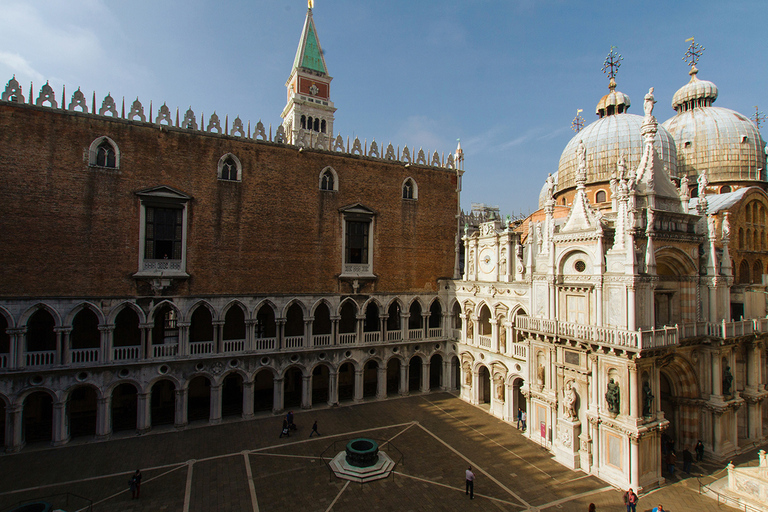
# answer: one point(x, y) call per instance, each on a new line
point(309, 106)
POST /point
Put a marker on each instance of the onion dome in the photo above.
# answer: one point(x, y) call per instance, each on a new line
point(605, 141)
point(696, 93)
point(721, 141)
point(615, 102)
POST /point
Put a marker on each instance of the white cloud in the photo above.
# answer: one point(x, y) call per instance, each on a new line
point(19, 65)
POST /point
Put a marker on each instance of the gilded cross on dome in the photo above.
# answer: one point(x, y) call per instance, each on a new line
point(695, 50)
point(612, 64)
point(310, 3)
point(759, 117)
point(578, 122)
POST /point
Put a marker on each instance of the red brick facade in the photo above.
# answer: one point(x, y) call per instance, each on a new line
point(70, 229)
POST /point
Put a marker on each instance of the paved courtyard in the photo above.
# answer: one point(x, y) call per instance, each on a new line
point(244, 466)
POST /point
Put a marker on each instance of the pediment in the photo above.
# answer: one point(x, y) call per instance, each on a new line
point(163, 192)
point(357, 209)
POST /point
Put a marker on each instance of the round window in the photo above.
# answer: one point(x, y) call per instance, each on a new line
point(580, 266)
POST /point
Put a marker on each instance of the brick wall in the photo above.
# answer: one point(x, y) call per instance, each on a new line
point(67, 229)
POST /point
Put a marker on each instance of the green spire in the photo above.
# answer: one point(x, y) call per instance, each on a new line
point(309, 55)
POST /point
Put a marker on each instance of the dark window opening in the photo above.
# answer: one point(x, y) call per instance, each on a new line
point(326, 182)
point(163, 233)
point(357, 242)
point(229, 169)
point(105, 155)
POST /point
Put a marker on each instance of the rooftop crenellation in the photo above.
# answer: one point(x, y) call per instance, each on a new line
point(303, 139)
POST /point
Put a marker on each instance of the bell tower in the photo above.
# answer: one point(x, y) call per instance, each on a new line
point(309, 105)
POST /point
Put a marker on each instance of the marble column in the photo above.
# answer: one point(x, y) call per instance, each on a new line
point(105, 339)
point(403, 378)
point(216, 396)
point(13, 428)
point(103, 417)
point(381, 382)
point(333, 388)
point(277, 394)
point(358, 395)
point(181, 418)
point(60, 423)
point(306, 391)
point(143, 412)
point(425, 374)
point(248, 397)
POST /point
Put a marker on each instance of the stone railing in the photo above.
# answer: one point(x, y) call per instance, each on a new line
point(126, 353)
point(321, 340)
point(169, 350)
point(372, 337)
point(347, 338)
point(264, 344)
point(415, 334)
point(394, 335)
point(642, 339)
point(197, 348)
point(294, 341)
point(41, 358)
point(434, 332)
point(234, 346)
point(84, 355)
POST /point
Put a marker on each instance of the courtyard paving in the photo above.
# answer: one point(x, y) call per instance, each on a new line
point(245, 466)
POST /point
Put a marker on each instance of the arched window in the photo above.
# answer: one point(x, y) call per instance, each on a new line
point(741, 239)
point(725, 189)
point(744, 276)
point(757, 272)
point(322, 126)
point(316, 126)
point(230, 168)
point(304, 122)
point(328, 179)
point(104, 153)
point(600, 196)
point(410, 191)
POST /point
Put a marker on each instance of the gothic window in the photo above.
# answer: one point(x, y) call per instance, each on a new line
point(757, 272)
point(329, 180)
point(304, 122)
point(316, 126)
point(600, 196)
point(229, 168)
point(322, 126)
point(410, 191)
point(104, 153)
point(741, 239)
point(744, 276)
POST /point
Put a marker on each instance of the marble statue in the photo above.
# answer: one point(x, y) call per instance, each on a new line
point(647, 399)
point(727, 380)
point(648, 103)
point(612, 396)
point(703, 182)
point(621, 165)
point(503, 339)
point(684, 190)
point(569, 402)
point(726, 227)
point(540, 374)
point(581, 152)
point(550, 186)
point(711, 226)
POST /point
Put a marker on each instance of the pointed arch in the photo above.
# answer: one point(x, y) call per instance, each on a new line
point(115, 311)
point(34, 309)
point(410, 189)
point(229, 168)
point(85, 305)
point(104, 152)
point(329, 179)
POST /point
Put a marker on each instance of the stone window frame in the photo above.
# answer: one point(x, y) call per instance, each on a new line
point(93, 152)
point(357, 213)
point(411, 194)
point(328, 170)
point(162, 197)
point(222, 162)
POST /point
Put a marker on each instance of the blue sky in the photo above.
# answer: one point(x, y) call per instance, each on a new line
point(504, 76)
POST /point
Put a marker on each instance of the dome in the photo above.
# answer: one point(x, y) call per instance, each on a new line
point(615, 102)
point(722, 141)
point(696, 93)
point(605, 140)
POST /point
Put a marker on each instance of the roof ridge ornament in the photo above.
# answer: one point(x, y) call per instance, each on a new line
point(692, 56)
point(611, 66)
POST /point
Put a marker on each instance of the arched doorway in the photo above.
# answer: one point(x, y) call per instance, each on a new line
point(127, 336)
point(234, 330)
point(264, 391)
point(346, 382)
point(232, 395)
point(518, 399)
point(292, 388)
point(163, 403)
point(37, 418)
point(456, 372)
point(435, 372)
point(201, 332)
point(124, 407)
point(41, 340)
point(414, 373)
point(81, 411)
point(677, 394)
point(199, 399)
point(320, 384)
point(484, 386)
point(370, 379)
point(393, 377)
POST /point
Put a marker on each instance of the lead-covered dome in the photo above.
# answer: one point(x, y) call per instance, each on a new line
point(605, 140)
point(721, 141)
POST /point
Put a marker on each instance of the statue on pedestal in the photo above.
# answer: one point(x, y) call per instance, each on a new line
point(612, 396)
point(647, 399)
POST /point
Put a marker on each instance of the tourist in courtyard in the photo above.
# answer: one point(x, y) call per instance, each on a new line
point(671, 460)
point(592, 508)
point(699, 449)
point(519, 417)
point(314, 429)
point(687, 460)
point(289, 419)
point(524, 418)
point(630, 500)
point(135, 485)
point(470, 489)
point(286, 430)
point(660, 508)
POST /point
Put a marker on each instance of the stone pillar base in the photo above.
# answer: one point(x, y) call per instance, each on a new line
point(567, 443)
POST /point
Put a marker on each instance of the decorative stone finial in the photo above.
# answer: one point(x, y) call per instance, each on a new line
point(648, 104)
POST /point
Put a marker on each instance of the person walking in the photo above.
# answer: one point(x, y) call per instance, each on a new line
point(135, 484)
point(687, 460)
point(470, 489)
point(630, 500)
point(286, 431)
point(314, 429)
point(519, 417)
point(699, 449)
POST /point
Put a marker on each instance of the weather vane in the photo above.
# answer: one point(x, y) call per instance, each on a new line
point(759, 117)
point(612, 64)
point(695, 50)
point(578, 122)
